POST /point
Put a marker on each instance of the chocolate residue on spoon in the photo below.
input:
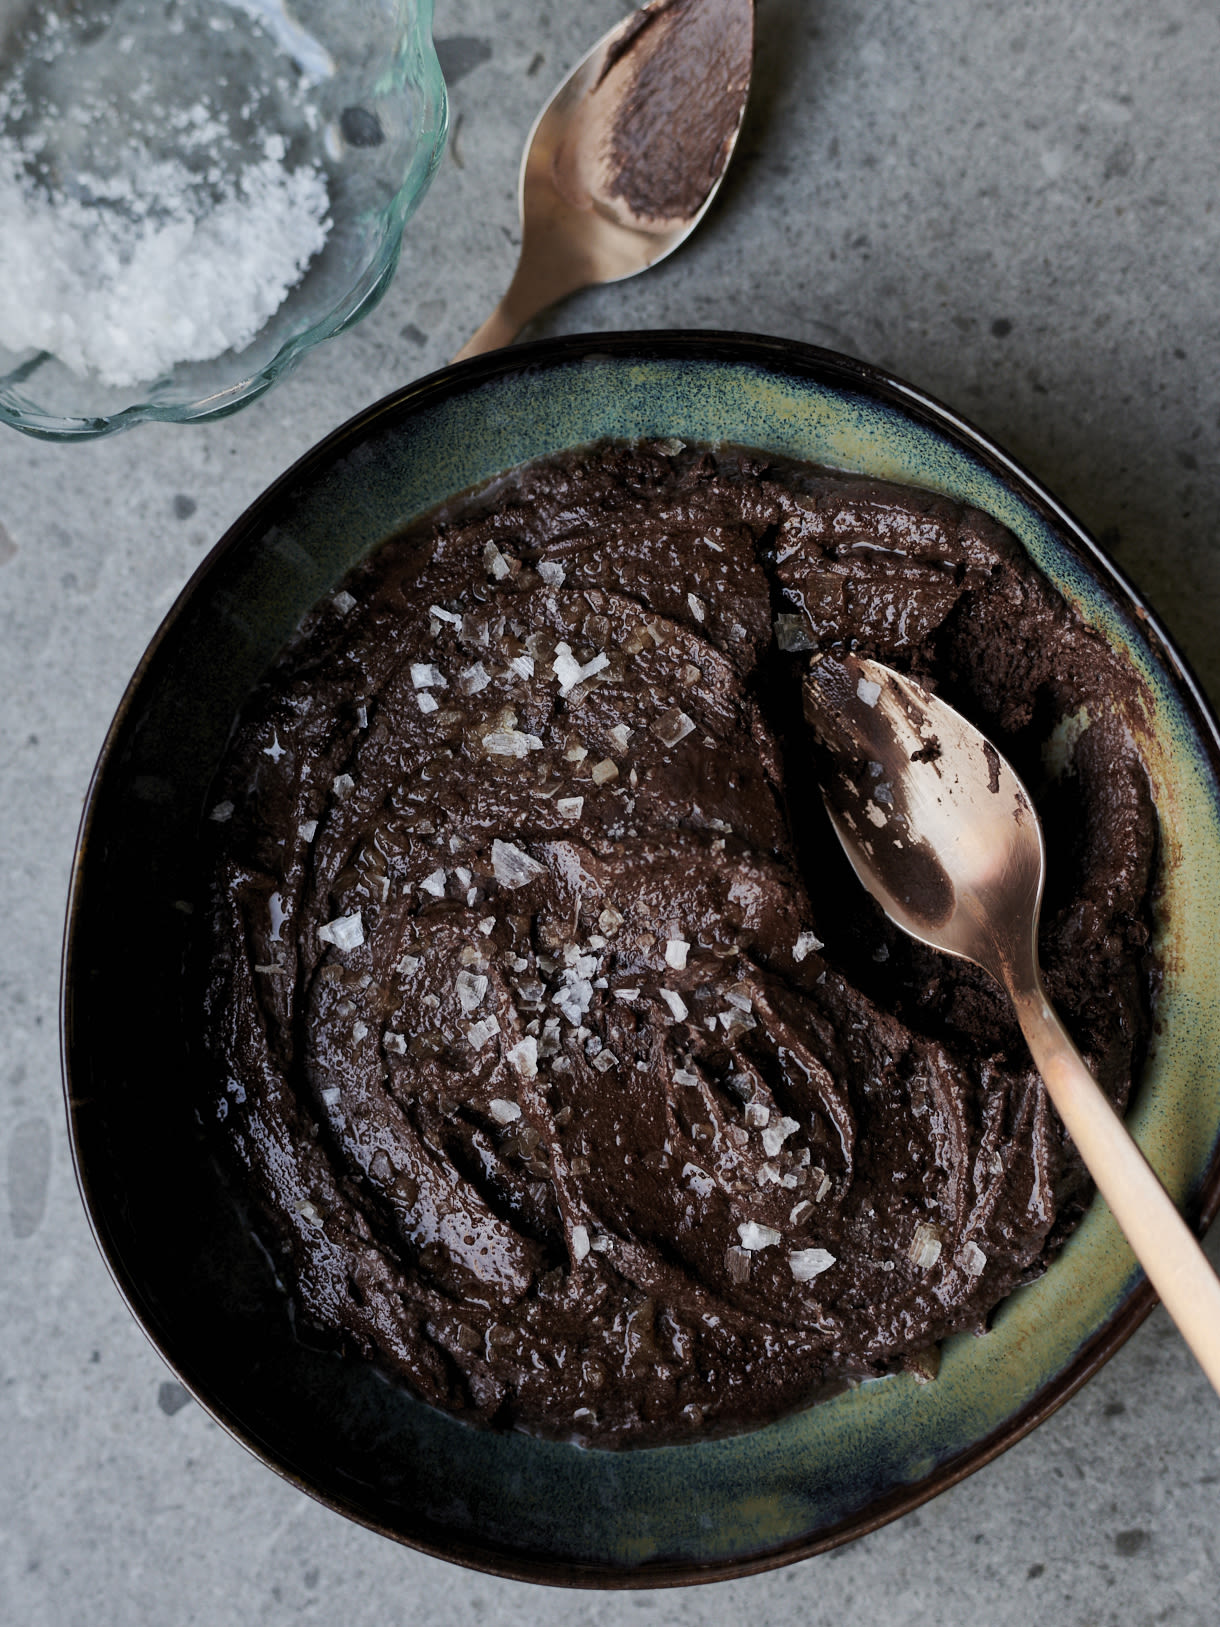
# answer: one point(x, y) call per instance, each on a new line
point(689, 63)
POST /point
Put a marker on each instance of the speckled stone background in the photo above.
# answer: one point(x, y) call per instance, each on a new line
point(1010, 202)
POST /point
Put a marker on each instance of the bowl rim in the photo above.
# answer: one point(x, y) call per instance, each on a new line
point(779, 356)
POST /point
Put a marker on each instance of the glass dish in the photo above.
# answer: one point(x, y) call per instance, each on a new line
point(195, 192)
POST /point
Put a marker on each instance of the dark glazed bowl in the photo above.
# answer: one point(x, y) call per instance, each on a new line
point(173, 1236)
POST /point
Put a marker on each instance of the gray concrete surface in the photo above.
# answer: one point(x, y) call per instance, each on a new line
point(1013, 204)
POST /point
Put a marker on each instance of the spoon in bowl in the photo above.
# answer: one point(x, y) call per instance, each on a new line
point(626, 157)
point(952, 850)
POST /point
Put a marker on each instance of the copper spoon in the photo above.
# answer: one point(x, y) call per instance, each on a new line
point(943, 834)
point(626, 157)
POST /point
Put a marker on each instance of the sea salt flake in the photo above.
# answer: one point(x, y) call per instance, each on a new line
point(698, 1180)
point(754, 1236)
point(551, 572)
point(444, 615)
point(503, 1111)
point(497, 565)
point(345, 931)
point(487, 924)
point(737, 1265)
point(696, 607)
point(410, 963)
point(569, 671)
point(775, 1135)
point(524, 1057)
point(799, 1211)
point(672, 726)
point(604, 1061)
point(331, 1095)
point(343, 602)
point(569, 807)
point(522, 666)
point(973, 1260)
point(575, 754)
point(275, 751)
point(307, 829)
point(470, 991)
point(394, 1042)
point(807, 1263)
point(758, 1115)
point(806, 943)
point(343, 785)
point(869, 692)
point(359, 1030)
point(474, 679)
point(676, 951)
point(511, 866)
point(580, 1244)
point(221, 812)
point(434, 884)
point(925, 1246)
point(683, 1076)
point(510, 743)
point(425, 702)
point(479, 1033)
point(426, 676)
point(604, 771)
point(620, 736)
point(676, 1004)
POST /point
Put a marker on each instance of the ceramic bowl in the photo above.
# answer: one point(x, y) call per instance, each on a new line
point(196, 192)
point(175, 1239)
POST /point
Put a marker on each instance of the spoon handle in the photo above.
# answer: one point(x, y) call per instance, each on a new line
point(500, 329)
point(1166, 1248)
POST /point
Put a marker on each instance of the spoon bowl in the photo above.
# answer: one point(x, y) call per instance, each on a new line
point(624, 160)
point(934, 821)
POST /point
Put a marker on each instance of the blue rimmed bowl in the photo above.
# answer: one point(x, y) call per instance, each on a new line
point(174, 172)
point(174, 1236)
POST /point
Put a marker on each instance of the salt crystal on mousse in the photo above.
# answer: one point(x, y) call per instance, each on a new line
point(672, 726)
point(580, 1243)
point(345, 932)
point(807, 1263)
point(676, 1004)
point(221, 812)
point(524, 1057)
point(675, 954)
point(869, 692)
point(479, 1033)
point(512, 867)
point(434, 884)
point(753, 1236)
point(503, 1111)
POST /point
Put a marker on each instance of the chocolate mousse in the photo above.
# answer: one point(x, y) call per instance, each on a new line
point(569, 1073)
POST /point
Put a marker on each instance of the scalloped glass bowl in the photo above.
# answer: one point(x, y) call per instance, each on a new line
point(348, 93)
